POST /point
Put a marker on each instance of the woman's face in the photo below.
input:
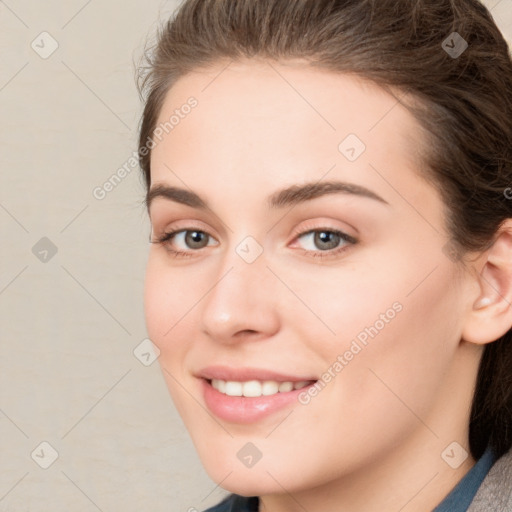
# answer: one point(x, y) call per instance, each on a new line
point(313, 278)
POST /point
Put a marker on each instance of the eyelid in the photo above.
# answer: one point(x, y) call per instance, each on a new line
point(323, 224)
point(345, 236)
point(184, 225)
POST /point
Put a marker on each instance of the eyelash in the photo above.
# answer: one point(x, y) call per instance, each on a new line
point(166, 237)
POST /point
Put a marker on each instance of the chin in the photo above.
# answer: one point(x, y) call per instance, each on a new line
point(246, 482)
point(267, 476)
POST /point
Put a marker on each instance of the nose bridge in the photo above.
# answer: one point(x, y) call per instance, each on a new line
point(242, 296)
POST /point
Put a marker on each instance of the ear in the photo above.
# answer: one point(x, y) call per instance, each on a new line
point(491, 313)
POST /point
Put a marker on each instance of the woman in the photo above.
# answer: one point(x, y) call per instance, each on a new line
point(330, 280)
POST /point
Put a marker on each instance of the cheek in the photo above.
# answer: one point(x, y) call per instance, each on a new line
point(164, 305)
point(404, 354)
point(165, 299)
point(394, 331)
point(155, 304)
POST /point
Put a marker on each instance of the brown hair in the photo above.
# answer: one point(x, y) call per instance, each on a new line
point(465, 106)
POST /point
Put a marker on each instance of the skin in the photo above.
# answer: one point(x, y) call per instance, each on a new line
point(383, 422)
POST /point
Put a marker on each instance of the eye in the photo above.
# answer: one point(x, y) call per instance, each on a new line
point(329, 241)
point(185, 241)
point(191, 239)
point(321, 243)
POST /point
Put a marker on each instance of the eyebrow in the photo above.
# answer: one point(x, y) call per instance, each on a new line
point(289, 196)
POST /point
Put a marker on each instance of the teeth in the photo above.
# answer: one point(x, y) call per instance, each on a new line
point(269, 387)
point(234, 388)
point(256, 388)
point(285, 387)
point(251, 388)
point(221, 386)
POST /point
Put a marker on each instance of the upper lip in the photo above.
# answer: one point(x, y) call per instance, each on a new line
point(245, 374)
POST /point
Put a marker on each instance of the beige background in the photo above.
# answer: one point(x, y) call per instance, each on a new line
point(69, 322)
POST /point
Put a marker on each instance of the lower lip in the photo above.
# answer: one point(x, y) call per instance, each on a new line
point(241, 409)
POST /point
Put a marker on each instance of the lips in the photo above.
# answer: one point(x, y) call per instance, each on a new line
point(247, 395)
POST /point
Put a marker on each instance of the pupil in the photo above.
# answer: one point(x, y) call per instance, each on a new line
point(323, 237)
point(195, 238)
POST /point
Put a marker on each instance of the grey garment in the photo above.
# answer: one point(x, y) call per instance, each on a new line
point(461, 496)
point(495, 493)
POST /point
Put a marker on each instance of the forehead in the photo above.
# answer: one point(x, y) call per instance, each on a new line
point(285, 90)
point(283, 119)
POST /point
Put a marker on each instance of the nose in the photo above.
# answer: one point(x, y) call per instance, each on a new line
point(242, 302)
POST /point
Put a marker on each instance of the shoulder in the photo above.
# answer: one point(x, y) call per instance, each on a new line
point(235, 503)
point(226, 505)
point(495, 492)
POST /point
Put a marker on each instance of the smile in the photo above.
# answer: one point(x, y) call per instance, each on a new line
point(256, 388)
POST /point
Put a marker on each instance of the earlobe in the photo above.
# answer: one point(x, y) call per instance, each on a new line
point(491, 313)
